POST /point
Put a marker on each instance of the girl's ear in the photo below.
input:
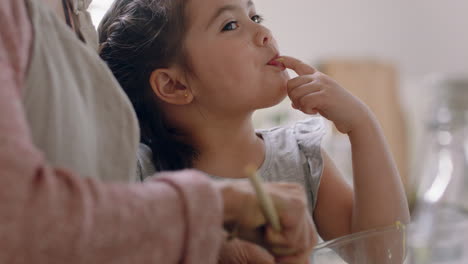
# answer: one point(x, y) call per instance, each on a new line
point(168, 88)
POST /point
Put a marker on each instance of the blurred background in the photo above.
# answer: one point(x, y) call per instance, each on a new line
point(380, 50)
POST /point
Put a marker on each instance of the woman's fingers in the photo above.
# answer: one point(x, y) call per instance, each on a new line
point(296, 65)
point(284, 251)
point(299, 259)
point(291, 204)
point(242, 252)
point(275, 238)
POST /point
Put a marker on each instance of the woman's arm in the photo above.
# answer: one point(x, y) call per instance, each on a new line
point(50, 215)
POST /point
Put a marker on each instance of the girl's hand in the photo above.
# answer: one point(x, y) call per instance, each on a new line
point(313, 92)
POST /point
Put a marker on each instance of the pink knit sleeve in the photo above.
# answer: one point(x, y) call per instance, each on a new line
point(49, 215)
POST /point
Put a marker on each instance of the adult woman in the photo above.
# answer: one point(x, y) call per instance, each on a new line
point(56, 125)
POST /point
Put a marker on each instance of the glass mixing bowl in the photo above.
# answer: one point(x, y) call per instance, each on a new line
point(386, 245)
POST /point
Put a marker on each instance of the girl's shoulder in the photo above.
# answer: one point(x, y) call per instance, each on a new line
point(145, 166)
point(288, 147)
point(304, 134)
point(314, 123)
point(293, 154)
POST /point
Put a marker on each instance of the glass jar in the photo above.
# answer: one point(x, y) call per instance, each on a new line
point(439, 231)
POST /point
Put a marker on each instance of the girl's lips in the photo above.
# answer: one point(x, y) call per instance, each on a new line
point(277, 62)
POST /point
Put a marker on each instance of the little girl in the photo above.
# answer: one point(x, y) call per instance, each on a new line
point(196, 71)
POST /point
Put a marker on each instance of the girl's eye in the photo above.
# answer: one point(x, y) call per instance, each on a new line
point(257, 19)
point(230, 26)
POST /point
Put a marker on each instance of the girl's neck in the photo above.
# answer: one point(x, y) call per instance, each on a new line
point(227, 147)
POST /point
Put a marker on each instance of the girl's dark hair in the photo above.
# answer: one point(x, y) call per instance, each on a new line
point(136, 37)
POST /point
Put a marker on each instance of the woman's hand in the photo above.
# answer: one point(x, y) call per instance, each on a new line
point(238, 251)
point(314, 92)
point(244, 215)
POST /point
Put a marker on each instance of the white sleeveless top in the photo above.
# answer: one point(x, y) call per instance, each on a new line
point(292, 154)
point(78, 114)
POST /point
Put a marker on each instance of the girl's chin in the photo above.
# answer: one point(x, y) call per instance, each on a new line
point(280, 99)
point(275, 99)
point(284, 76)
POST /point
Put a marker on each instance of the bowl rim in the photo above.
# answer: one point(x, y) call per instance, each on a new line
point(358, 235)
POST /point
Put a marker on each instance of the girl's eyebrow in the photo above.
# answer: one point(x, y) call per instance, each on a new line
point(226, 8)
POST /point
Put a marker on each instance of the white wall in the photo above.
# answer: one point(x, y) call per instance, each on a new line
point(419, 36)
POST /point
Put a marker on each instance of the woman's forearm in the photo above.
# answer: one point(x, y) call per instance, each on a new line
point(50, 215)
point(379, 197)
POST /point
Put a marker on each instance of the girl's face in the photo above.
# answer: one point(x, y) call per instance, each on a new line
point(229, 51)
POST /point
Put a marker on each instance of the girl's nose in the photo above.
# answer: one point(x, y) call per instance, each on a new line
point(263, 37)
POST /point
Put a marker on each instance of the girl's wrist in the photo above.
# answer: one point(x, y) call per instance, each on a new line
point(365, 121)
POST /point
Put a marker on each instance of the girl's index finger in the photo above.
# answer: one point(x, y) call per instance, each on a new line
point(296, 65)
